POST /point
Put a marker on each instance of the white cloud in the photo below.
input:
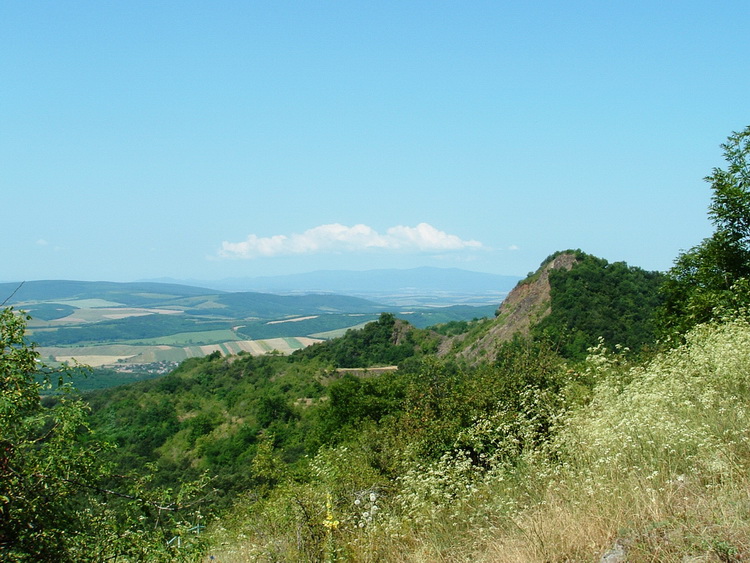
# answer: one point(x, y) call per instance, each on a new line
point(340, 238)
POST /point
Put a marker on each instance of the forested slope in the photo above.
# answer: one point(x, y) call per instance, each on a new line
point(213, 414)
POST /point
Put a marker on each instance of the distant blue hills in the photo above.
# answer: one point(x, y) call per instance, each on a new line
point(424, 284)
point(193, 300)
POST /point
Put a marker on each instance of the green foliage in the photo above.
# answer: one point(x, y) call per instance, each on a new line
point(355, 401)
point(455, 328)
point(521, 363)
point(711, 279)
point(387, 341)
point(597, 299)
point(452, 328)
point(38, 453)
point(209, 414)
point(441, 316)
point(55, 504)
point(273, 406)
point(443, 399)
point(434, 407)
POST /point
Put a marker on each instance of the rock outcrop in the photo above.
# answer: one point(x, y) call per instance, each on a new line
point(525, 305)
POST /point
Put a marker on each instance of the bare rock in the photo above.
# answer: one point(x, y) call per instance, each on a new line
point(617, 554)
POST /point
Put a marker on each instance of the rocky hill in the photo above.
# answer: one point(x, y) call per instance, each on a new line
point(526, 305)
point(572, 300)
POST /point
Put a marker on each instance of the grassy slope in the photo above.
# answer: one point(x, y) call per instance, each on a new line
point(656, 462)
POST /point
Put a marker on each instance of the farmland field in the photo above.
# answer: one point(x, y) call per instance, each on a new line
point(124, 356)
point(189, 338)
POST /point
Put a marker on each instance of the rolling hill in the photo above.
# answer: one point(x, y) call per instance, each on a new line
point(397, 287)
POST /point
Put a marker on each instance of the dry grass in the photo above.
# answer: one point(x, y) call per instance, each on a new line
point(679, 521)
point(685, 521)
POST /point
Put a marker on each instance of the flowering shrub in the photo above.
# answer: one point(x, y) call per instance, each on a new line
point(685, 411)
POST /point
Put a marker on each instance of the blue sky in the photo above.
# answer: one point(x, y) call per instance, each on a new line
point(208, 140)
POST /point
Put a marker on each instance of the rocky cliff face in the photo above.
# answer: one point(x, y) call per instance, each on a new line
point(526, 305)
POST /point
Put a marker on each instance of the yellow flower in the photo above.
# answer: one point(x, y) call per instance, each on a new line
point(330, 522)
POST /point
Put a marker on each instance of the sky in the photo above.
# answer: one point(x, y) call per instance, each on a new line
point(211, 140)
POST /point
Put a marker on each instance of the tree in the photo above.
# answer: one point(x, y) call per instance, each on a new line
point(38, 452)
point(713, 277)
point(54, 500)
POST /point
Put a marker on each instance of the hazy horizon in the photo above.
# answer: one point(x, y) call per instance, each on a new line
point(188, 281)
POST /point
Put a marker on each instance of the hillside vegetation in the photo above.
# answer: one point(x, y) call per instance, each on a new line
point(572, 301)
point(561, 430)
point(650, 460)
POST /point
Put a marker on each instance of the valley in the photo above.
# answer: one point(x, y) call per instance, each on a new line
point(376, 424)
point(141, 329)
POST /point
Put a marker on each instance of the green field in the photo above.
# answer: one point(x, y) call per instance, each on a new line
point(190, 338)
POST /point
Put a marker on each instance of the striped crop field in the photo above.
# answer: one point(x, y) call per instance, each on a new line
point(118, 355)
point(191, 338)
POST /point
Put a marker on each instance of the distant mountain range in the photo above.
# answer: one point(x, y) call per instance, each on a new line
point(425, 285)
